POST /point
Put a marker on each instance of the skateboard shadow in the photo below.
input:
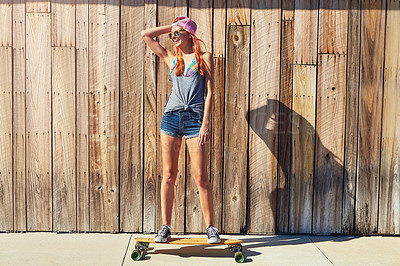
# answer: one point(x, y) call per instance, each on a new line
point(201, 251)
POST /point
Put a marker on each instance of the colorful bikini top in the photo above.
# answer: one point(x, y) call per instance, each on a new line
point(190, 71)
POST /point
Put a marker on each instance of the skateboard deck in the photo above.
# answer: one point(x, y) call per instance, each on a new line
point(142, 243)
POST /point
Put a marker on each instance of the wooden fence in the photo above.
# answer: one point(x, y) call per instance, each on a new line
point(305, 125)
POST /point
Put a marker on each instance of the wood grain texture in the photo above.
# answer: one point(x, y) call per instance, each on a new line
point(150, 127)
point(236, 129)
point(19, 134)
point(352, 95)
point(263, 116)
point(34, 6)
point(303, 137)
point(82, 115)
point(166, 15)
point(332, 33)
point(38, 122)
point(104, 115)
point(131, 124)
point(63, 23)
point(329, 144)
point(370, 115)
point(389, 196)
point(305, 32)
point(238, 12)
point(64, 142)
point(285, 127)
point(219, 28)
point(6, 12)
point(201, 13)
point(6, 141)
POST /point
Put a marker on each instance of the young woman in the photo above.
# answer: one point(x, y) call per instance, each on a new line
point(186, 114)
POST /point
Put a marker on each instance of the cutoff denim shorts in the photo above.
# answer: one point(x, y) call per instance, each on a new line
point(181, 123)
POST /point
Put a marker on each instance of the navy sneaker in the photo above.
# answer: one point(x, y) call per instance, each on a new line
point(163, 234)
point(213, 235)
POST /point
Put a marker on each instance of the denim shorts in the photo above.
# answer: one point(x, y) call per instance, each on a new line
point(181, 123)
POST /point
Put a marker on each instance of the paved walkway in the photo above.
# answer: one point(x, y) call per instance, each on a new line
point(115, 249)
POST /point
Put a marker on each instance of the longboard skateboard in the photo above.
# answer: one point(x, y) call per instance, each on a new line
point(142, 243)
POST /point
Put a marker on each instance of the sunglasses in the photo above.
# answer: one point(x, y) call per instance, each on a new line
point(176, 34)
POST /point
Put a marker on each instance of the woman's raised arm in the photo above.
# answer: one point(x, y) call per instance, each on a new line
point(149, 35)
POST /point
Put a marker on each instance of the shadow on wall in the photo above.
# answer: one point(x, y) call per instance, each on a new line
point(309, 193)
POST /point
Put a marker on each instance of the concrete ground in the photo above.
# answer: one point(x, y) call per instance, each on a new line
point(115, 249)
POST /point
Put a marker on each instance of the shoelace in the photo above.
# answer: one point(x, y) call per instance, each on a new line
point(214, 231)
point(163, 232)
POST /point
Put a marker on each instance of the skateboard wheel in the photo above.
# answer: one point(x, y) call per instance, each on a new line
point(239, 257)
point(136, 255)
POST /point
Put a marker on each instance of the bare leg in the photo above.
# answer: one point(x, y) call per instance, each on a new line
point(170, 147)
point(199, 161)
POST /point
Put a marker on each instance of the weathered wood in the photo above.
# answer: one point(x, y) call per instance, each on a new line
point(238, 12)
point(217, 114)
point(6, 140)
point(285, 127)
point(6, 12)
point(303, 136)
point(82, 115)
point(287, 10)
point(63, 22)
point(150, 127)
point(19, 156)
point(103, 115)
point(64, 143)
point(201, 13)
point(166, 15)
point(333, 18)
point(353, 83)
point(131, 124)
point(236, 129)
point(263, 116)
point(37, 6)
point(38, 122)
point(305, 32)
point(389, 196)
point(329, 146)
point(370, 115)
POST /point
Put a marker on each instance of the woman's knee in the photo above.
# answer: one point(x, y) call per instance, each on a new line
point(169, 177)
point(201, 180)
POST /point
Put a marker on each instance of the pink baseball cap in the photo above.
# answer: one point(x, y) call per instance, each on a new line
point(186, 23)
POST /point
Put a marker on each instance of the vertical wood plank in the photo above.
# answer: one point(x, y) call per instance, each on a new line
point(6, 140)
point(166, 14)
point(333, 18)
point(104, 115)
point(352, 92)
point(37, 6)
point(370, 115)
point(6, 12)
point(82, 114)
point(63, 22)
point(150, 125)
point(217, 114)
point(236, 129)
point(264, 108)
point(330, 125)
point(201, 13)
point(305, 32)
point(303, 135)
point(64, 144)
point(131, 125)
point(19, 136)
point(38, 122)
point(389, 196)
point(285, 118)
point(238, 12)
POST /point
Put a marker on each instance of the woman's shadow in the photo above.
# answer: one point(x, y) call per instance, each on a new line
point(310, 186)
